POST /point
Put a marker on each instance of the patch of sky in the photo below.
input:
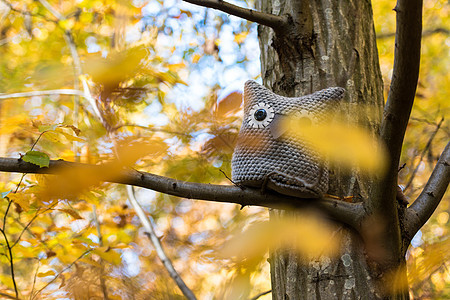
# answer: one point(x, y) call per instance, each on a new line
point(183, 206)
point(183, 40)
point(131, 262)
point(91, 44)
point(153, 8)
point(417, 239)
point(94, 238)
point(198, 237)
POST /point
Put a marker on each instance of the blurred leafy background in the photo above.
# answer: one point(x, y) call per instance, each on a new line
point(170, 74)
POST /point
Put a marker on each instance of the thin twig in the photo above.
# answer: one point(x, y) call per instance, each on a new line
point(53, 11)
point(26, 228)
point(230, 180)
point(425, 33)
point(102, 266)
point(150, 129)
point(34, 279)
point(26, 13)
point(260, 295)
point(59, 274)
point(273, 21)
point(6, 213)
point(20, 181)
point(423, 207)
point(8, 296)
point(424, 151)
point(70, 41)
point(11, 259)
point(69, 92)
point(150, 231)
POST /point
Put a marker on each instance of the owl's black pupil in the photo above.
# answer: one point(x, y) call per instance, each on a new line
point(260, 114)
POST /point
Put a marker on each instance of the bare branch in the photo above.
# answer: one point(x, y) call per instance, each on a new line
point(421, 210)
point(349, 213)
point(100, 241)
point(395, 118)
point(150, 231)
point(43, 93)
point(404, 78)
point(428, 145)
point(273, 21)
point(62, 271)
point(53, 11)
point(425, 33)
point(26, 13)
point(260, 295)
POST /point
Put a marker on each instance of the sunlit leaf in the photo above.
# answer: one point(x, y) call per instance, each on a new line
point(108, 254)
point(22, 199)
point(129, 152)
point(229, 104)
point(37, 158)
point(45, 274)
point(342, 144)
point(72, 213)
point(240, 37)
point(310, 235)
point(69, 136)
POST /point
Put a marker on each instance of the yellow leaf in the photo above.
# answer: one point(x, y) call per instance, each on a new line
point(108, 254)
point(11, 124)
point(129, 153)
point(45, 274)
point(22, 199)
point(67, 23)
point(309, 234)
point(71, 212)
point(240, 37)
point(195, 58)
point(68, 136)
point(176, 67)
point(341, 143)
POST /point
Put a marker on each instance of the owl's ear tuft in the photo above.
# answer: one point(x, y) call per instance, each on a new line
point(254, 90)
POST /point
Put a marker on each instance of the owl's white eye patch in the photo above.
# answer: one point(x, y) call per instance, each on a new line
point(305, 118)
point(261, 115)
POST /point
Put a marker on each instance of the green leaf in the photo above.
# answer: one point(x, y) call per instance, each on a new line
point(4, 194)
point(38, 158)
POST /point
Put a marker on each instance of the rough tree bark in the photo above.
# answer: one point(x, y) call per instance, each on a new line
point(331, 43)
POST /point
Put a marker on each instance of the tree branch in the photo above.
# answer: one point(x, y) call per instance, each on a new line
point(423, 207)
point(382, 202)
point(424, 151)
point(404, 79)
point(260, 295)
point(150, 231)
point(425, 33)
point(349, 213)
point(273, 21)
point(43, 93)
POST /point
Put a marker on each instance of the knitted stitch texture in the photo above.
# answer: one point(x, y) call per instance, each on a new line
point(266, 155)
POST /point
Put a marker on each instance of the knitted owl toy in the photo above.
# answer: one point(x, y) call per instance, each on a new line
point(268, 155)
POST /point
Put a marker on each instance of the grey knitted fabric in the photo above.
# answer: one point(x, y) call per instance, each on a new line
point(267, 155)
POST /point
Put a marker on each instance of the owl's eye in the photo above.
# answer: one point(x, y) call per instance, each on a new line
point(261, 115)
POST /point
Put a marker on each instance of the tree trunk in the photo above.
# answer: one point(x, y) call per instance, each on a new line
point(332, 44)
